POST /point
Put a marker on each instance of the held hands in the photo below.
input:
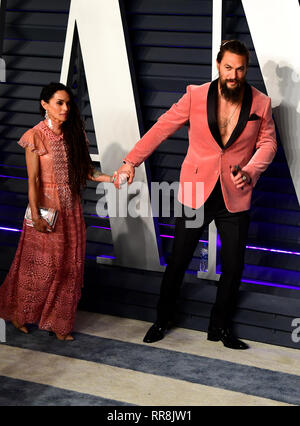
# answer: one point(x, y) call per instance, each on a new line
point(119, 177)
point(125, 172)
point(239, 177)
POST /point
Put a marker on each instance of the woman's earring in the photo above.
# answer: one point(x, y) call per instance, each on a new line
point(49, 120)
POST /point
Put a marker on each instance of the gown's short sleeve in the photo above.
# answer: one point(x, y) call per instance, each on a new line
point(32, 139)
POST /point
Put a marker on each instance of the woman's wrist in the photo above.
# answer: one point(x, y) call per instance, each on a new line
point(96, 174)
point(35, 215)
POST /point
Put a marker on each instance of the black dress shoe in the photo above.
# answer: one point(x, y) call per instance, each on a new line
point(226, 336)
point(156, 332)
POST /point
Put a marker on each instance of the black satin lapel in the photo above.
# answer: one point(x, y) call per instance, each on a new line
point(212, 104)
point(244, 116)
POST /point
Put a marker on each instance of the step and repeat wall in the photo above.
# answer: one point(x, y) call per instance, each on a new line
point(166, 45)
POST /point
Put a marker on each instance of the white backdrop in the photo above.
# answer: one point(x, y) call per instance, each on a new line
point(275, 31)
point(103, 47)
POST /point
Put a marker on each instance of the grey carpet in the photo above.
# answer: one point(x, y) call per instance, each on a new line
point(23, 393)
point(182, 366)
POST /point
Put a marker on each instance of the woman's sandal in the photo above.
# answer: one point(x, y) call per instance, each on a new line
point(68, 337)
point(19, 327)
point(61, 337)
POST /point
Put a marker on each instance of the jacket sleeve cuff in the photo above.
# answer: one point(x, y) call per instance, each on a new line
point(126, 161)
point(253, 176)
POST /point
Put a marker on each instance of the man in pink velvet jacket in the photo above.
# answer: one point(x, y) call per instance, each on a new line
point(231, 142)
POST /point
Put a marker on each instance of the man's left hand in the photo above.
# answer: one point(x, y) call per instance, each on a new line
point(239, 178)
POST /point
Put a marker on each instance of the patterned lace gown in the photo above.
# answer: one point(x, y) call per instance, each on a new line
point(44, 283)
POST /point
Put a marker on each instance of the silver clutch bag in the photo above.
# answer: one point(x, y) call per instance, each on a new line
point(50, 215)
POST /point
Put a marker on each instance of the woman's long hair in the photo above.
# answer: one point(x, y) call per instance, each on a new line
point(79, 161)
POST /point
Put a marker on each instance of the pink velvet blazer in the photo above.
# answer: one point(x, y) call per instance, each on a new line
point(252, 144)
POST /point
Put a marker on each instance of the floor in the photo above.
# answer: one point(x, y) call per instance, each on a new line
point(109, 365)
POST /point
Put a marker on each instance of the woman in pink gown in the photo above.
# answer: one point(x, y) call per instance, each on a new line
point(44, 282)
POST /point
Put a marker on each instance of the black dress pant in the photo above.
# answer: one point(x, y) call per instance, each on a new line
point(233, 231)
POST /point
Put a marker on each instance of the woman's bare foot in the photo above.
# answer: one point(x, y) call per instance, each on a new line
point(68, 337)
point(19, 327)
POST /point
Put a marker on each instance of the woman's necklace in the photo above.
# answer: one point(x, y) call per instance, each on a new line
point(222, 126)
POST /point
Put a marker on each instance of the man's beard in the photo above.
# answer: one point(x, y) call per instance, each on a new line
point(232, 95)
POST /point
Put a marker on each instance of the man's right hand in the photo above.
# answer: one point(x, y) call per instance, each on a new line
point(128, 169)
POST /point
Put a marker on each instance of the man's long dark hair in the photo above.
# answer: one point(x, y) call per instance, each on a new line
point(233, 46)
point(79, 161)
